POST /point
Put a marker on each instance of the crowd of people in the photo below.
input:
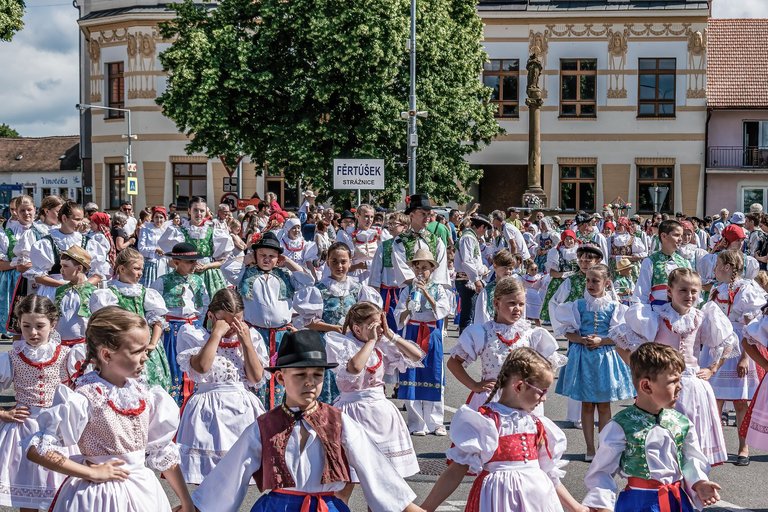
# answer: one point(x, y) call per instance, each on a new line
point(226, 350)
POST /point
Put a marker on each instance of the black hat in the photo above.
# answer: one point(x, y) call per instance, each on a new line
point(581, 219)
point(418, 202)
point(482, 219)
point(268, 241)
point(591, 249)
point(346, 214)
point(184, 251)
point(301, 349)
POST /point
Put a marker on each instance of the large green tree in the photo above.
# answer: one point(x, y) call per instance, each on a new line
point(11, 14)
point(8, 132)
point(296, 84)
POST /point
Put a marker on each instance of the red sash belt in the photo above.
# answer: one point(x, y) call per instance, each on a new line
point(188, 320)
point(388, 296)
point(422, 337)
point(664, 490)
point(72, 342)
point(272, 357)
point(306, 505)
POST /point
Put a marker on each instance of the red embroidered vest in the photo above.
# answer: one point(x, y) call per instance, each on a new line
point(275, 429)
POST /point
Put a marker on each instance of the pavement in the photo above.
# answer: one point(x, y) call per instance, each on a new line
point(742, 487)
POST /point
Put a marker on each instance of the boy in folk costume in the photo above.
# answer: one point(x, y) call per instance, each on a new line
point(382, 275)
point(624, 286)
point(470, 269)
point(73, 298)
point(268, 282)
point(651, 287)
point(420, 312)
point(302, 451)
point(186, 299)
point(624, 244)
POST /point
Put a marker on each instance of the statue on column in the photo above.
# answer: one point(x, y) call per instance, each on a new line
point(534, 195)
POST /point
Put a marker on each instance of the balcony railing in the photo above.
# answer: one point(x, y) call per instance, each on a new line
point(738, 157)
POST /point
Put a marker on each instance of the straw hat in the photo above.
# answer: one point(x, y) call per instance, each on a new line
point(79, 255)
point(623, 264)
point(423, 255)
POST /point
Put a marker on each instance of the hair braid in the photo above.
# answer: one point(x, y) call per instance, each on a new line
point(522, 362)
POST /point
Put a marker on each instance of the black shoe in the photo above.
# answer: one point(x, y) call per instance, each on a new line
point(742, 460)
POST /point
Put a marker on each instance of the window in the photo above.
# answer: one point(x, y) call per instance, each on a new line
point(755, 149)
point(751, 195)
point(502, 76)
point(647, 179)
point(117, 193)
point(656, 88)
point(577, 187)
point(189, 180)
point(45, 192)
point(116, 91)
point(578, 79)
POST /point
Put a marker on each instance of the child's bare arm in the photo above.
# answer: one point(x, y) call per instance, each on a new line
point(445, 485)
point(568, 501)
point(97, 473)
point(176, 480)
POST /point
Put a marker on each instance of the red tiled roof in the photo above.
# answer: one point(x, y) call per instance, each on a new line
point(737, 63)
point(39, 154)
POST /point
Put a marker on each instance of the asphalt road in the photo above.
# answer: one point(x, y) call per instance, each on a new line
point(744, 488)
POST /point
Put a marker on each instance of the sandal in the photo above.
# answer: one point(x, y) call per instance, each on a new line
point(742, 460)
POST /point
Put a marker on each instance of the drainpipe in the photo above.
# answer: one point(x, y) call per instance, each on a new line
point(706, 159)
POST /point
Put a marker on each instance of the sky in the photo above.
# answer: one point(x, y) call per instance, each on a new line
point(39, 82)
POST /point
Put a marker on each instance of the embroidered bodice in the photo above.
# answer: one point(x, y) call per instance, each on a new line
point(38, 371)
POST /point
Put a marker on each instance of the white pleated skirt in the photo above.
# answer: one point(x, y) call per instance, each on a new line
point(697, 401)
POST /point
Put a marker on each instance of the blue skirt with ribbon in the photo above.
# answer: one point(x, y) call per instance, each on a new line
point(424, 383)
point(182, 386)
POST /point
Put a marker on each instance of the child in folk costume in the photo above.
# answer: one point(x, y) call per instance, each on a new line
point(691, 331)
point(754, 427)
point(733, 237)
point(268, 283)
point(365, 353)
point(155, 264)
point(492, 341)
point(35, 366)
point(223, 363)
point(588, 234)
point(73, 299)
point(297, 249)
point(595, 375)
point(624, 244)
point(651, 287)
point(324, 307)
point(11, 267)
point(213, 243)
point(740, 300)
point(561, 262)
point(688, 248)
point(123, 428)
point(470, 265)
point(546, 240)
point(420, 312)
point(533, 282)
point(516, 454)
point(365, 240)
point(652, 445)
point(624, 285)
point(382, 273)
point(318, 446)
point(127, 293)
point(186, 298)
point(503, 266)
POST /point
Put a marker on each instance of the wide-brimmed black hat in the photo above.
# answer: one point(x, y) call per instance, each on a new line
point(268, 241)
point(418, 202)
point(184, 251)
point(481, 219)
point(301, 349)
point(581, 219)
point(346, 214)
point(591, 249)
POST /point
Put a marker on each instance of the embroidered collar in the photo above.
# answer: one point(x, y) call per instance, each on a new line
point(682, 325)
point(40, 354)
point(366, 232)
point(521, 326)
point(339, 288)
point(597, 303)
point(296, 413)
point(128, 400)
point(296, 245)
point(127, 289)
point(508, 412)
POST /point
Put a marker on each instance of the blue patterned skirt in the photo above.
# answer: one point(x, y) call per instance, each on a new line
point(182, 386)
point(152, 270)
point(595, 376)
point(424, 383)
point(9, 279)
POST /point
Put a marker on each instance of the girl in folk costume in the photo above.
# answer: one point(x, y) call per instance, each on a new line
point(11, 266)
point(652, 287)
point(688, 248)
point(740, 300)
point(185, 298)
point(100, 231)
point(223, 362)
point(214, 244)
point(732, 239)
point(127, 293)
point(561, 262)
point(680, 325)
point(624, 244)
point(45, 253)
point(516, 454)
point(324, 307)
point(491, 342)
point(546, 240)
point(122, 428)
point(534, 283)
point(595, 375)
point(504, 264)
point(382, 275)
point(587, 234)
point(420, 312)
point(317, 448)
point(297, 249)
point(365, 239)
point(35, 366)
point(73, 299)
point(368, 351)
point(155, 264)
point(268, 282)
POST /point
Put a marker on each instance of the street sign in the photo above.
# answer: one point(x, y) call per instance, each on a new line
point(230, 184)
point(230, 199)
point(356, 174)
point(133, 186)
point(131, 167)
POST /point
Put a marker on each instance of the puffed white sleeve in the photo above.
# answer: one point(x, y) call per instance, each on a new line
point(75, 361)
point(560, 296)
point(601, 487)
point(751, 300)
point(301, 280)
point(640, 326)
point(99, 262)
point(716, 334)
point(62, 424)
point(308, 305)
point(395, 361)
point(638, 248)
point(310, 253)
point(440, 274)
point(442, 303)
point(143, 246)
point(756, 333)
point(369, 294)
point(170, 237)
point(617, 318)
point(162, 453)
point(384, 489)
point(260, 347)
point(6, 371)
point(223, 245)
point(481, 308)
point(189, 342)
point(695, 465)
point(376, 267)
point(41, 257)
point(552, 450)
point(567, 319)
point(101, 298)
point(475, 439)
point(340, 350)
point(4, 243)
point(553, 260)
point(154, 307)
point(643, 285)
point(233, 270)
point(470, 344)
point(546, 345)
point(231, 475)
point(402, 307)
point(24, 245)
point(751, 267)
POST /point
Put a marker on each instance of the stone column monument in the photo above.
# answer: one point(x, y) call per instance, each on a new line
point(534, 102)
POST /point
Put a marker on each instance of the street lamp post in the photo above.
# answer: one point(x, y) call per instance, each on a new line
point(658, 196)
point(412, 114)
point(82, 107)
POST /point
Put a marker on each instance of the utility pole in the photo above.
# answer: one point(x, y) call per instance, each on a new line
point(412, 114)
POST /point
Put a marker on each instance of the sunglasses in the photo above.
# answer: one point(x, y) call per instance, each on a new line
point(541, 392)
